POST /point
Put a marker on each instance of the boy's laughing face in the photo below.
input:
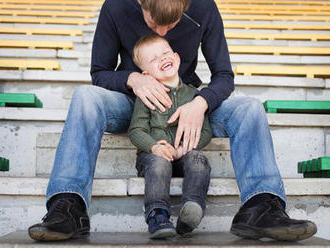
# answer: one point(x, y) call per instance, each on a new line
point(158, 59)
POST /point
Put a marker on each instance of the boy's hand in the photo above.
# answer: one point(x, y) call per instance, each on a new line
point(149, 90)
point(179, 153)
point(164, 150)
point(191, 117)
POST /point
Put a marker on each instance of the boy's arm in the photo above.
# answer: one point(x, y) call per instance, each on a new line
point(206, 133)
point(139, 130)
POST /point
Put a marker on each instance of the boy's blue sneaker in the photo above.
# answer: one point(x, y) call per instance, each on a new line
point(159, 225)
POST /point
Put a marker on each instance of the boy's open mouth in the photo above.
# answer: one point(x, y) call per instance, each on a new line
point(166, 66)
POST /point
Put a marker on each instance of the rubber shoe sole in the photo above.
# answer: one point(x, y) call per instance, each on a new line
point(190, 216)
point(163, 233)
point(41, 233)
point(291, 233)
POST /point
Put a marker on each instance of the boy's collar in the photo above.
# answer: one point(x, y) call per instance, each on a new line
point(180, 84)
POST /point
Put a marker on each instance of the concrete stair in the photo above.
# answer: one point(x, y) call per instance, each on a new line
point(36, 133)
point(121, 240)
point(31, 135)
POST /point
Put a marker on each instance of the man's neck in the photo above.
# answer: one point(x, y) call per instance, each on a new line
point(173, 82)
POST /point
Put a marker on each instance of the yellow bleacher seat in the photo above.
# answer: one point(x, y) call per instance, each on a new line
point(55, 2)
point(36, 44)
point(277, 36)
point(274, 12)
point(274, 7)
point(273, 2)
point(308, 71)
point(278, 50)
point(29, 64)
point(283, 26)
point(47, 13)
point(48, 7)
point(275, 18)
point(73, 21)
point(43, 31)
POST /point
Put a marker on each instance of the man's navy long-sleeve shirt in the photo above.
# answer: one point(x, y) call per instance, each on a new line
point(121, 24)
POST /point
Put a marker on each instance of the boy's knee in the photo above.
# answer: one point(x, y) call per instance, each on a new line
point(159, 167)
point(197, 161)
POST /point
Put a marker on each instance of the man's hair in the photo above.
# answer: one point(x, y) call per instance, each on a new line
point(144, 40)
point(165, 12)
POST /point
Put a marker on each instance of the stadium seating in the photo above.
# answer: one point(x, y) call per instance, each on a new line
point(43, 31)
point(47, 13)
point(307, 71)
point(36, 44)
point(277, 36)
point(279, 51)
point(29, 64)
point(47, 7)
point(44, 20)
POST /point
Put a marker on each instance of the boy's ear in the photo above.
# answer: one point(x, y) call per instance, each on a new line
point(177, 56)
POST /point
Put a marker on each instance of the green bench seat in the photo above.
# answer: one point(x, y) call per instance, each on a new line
point(4, 164)
point(319, 167)
point(19, 100)
point(286, 106)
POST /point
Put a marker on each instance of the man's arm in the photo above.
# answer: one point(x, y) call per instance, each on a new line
point(191, 117)
point(215, 51)
point(106, 46)
point(105, 52)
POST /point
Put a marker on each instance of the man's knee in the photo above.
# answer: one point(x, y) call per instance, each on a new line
point(252, 105)
point(82, 91)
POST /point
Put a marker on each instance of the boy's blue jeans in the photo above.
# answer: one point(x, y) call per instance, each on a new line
point(157, 172)
point(94, 110)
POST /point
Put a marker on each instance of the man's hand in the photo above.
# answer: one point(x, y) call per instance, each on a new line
point(151, 92)
point(163, 149)
point(191, 117)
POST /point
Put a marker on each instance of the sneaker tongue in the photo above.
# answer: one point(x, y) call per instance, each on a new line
point(160, 211)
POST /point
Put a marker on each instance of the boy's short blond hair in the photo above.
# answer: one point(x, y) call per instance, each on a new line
point(144, 41)
point(165, 12)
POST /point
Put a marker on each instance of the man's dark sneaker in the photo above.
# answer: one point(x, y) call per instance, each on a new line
point(189, 218)
point(268, 220)
point(66, 218)
point(159, 224)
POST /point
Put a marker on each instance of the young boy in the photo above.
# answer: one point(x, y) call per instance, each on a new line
point(157, 159)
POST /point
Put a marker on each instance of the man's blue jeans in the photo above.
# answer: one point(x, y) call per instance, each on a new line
point(95, 110)
point(157, 172)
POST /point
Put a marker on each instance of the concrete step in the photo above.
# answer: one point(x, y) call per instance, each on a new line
point(85, 28)
point(35, 133)
point(44, 53)
point(117, 204)
point(121, 240)
point(55, 88)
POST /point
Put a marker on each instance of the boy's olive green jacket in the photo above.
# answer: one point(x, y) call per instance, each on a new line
point(149, 126)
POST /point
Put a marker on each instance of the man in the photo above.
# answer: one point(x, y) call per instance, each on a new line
point(185, 24)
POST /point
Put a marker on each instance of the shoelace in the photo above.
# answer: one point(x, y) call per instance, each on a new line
point(276, 209)
point(57, 207)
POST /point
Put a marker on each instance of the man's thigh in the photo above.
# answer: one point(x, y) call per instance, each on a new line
point(229, 113)
point(117, 107)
